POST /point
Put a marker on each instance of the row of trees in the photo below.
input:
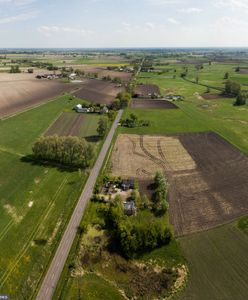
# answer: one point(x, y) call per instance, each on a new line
point(133, 121)
point(160, 204)
point(134, 237)
point(102, 127)
point(70, 151)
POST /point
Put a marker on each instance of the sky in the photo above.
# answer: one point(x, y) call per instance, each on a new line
point(123, 23)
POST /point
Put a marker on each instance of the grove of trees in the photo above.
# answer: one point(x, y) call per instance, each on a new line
point(135, 237)
point(122, 100)
point(69, 151)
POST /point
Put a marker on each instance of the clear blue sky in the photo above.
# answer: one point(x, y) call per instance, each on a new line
point(123, 23)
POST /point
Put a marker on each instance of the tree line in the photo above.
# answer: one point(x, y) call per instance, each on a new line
point(68, 151)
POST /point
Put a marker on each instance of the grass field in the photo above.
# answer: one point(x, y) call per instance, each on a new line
point(218, 264)
point(35, 201)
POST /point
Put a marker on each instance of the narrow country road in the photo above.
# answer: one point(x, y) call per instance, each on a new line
point(56, 267)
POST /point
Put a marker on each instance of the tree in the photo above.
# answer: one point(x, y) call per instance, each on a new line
point(232, 88)
point(125, 99)
point(15, 69)
point(241, 99)
point(102, 127)
point(226, 76)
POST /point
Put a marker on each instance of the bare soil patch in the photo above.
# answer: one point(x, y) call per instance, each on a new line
point(104, 72)
point(98, 91)
point(208, 96)
point(152, 104)
point(21, 91)
point(146, 90)
point(68, 124)
point(208, 176)
point(243, 71)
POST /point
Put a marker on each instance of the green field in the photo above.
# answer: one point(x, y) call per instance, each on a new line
point(216, 258)
point(218, 264)
point(35, 201)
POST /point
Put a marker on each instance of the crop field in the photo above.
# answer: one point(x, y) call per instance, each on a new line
point(217, 263)
point(103, 72)
point(35, 201)
point(152, 104)
point(22, 91)
point(98, 91)
point(74, 124)
point(146, 90)
point(200, 168)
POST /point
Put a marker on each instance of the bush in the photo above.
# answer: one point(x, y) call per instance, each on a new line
point(241, 99)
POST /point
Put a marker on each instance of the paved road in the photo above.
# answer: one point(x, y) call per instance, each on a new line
point(56, 267)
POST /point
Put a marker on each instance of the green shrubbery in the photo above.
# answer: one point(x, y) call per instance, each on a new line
point(135, 236)
point(138, 234)
point(70, 151)
point(133, 122)
point(122, 100)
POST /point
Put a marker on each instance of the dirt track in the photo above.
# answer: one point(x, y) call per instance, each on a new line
point(152, 104)
point(21, 91)
point(208, 177)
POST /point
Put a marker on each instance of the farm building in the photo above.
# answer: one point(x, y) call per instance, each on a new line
point(80, 109)
point(127, 184)
point(130, 208)
point(174, 97)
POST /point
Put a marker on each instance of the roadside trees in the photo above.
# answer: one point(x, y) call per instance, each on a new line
point(102, 127)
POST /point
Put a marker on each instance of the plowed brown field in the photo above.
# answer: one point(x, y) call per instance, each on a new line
point(21, 91)
point(208, 176)
point(98, 91)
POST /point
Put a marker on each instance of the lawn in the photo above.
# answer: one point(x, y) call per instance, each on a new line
point(36, 201)
point(218, 264)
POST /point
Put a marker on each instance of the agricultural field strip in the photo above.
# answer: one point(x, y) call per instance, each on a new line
point(22, 252)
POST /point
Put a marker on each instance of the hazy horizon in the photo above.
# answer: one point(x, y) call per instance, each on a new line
point(123, 24)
